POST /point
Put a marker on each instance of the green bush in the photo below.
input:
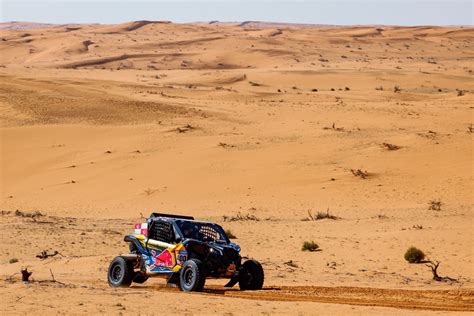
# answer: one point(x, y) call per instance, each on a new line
point(414, 255)
point(310, 246)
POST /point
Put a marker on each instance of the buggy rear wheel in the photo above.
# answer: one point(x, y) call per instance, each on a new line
point(192, 276)
point(120, 273)
point(251, 276)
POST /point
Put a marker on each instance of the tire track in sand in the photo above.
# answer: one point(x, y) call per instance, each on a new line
point(436, 300)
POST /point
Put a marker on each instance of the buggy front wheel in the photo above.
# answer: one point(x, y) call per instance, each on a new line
point(251, 276)
point(192, 276)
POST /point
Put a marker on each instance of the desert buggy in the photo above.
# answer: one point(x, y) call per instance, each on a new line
point(185, 252)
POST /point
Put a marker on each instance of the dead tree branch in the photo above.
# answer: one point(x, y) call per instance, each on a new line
point(434, 269)
point(44, 254)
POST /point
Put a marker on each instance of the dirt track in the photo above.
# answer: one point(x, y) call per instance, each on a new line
point(437, 300)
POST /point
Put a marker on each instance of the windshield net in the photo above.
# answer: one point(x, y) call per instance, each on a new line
point(202, 231)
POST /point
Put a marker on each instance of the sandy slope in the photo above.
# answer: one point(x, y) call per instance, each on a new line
point(101, 124)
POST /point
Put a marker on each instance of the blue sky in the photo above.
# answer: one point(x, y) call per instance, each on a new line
point(344, 12)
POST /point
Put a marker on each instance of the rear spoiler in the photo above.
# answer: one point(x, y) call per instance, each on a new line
point(171, 216)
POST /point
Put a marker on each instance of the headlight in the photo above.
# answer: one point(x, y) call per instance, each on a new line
point(215, 252)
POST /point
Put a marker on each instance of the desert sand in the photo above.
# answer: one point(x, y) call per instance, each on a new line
point(102, 124)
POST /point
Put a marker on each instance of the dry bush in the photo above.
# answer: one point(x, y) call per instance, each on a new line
point(360, 173)
point(429, 135)
point(333, 127)
point(241, 217)
point(460, 92)
point(414, 255)
point(310, 246)
point(225, 145)
point(13, 260)
point(32, 215)
point(320, 215)
point(389, 146)
point(397, 89)
point(185, 128)
point(149, 191)
point(435, 205)
point(379, 88)
point(291, 264)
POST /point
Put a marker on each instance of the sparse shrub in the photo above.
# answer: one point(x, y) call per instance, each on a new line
point(291, 264)
point(13, 260)
point(460, 92)
point(185, 128)
point(333, 127)
point(149, 191)
point(379, 88)
point(320, 215)
point(397, 89)
point(390, 146)
point(310, 246)
point(414, 255)
point(229, 234)
point(32, 215)
point(241, 217)
point(435, 205)
point(360, 173)
point(225, 145)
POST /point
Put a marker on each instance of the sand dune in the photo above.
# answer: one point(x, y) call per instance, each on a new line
point(102, 124)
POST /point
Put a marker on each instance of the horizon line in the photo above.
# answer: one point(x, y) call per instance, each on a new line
point(242, 23)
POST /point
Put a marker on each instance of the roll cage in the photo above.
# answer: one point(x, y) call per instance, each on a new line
point(173, 229)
